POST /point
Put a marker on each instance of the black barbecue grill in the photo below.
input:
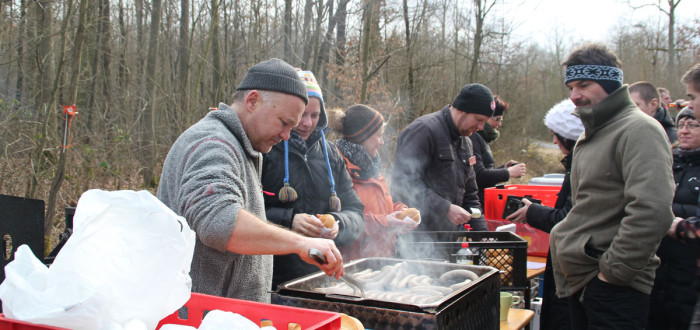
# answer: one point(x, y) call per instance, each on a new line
point(474, 306)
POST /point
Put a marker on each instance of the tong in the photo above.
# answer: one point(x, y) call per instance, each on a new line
point(350, 280)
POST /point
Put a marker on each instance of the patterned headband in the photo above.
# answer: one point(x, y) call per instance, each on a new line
point(592, 72)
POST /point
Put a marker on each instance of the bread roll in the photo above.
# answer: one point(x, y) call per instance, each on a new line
point(327, 220)
point(411, 213)
point(348, 322)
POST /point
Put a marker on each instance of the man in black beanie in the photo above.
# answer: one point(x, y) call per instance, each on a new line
point(433, 168)
point(211, 177)
point(603, 252)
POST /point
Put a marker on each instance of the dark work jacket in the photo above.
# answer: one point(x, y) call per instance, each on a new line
point(554, 313)
point(666, 121)
point(308, 175)
point(432, 171)
point(487, 175)
point(671, 304)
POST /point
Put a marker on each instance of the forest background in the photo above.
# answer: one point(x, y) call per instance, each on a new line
point(140, 72)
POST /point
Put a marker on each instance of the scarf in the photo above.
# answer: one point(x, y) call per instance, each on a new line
point(369, 167)
point(489, 133)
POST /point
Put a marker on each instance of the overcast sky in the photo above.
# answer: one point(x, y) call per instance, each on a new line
point(586, 19)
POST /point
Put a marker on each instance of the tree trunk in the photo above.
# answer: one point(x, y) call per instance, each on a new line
point(183, 60)
point(672, 4)
point(216, 53)
point(316, 36)
point(306, 33)
point(106, 50)
point(342, 30)
point(20, 52)
point(323, 52)
point(148, 128)
point(366, 37)
point(409, 64)
point(72, 99)
point(288, 31)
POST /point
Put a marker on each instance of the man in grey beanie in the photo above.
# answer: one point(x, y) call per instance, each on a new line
point(211, 177)
point(434, 164)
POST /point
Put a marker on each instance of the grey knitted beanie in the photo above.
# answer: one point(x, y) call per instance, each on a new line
point(685, 112)
point(275, 75)
point(475, 98)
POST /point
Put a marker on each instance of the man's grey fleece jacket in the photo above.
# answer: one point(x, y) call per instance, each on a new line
point(210, 174)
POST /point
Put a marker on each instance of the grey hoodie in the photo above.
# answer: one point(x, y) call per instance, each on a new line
point(210, 174)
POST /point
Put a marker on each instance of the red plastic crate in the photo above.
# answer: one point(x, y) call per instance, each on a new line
point(10, 324)
point(495, 201)
point(280, 315)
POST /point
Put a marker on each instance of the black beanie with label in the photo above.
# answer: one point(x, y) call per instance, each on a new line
point(475, 98)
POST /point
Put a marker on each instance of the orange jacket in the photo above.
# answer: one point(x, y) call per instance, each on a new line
point(377, 240)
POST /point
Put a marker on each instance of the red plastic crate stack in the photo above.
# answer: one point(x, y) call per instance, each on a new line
point(495, 201)
point(280, 316)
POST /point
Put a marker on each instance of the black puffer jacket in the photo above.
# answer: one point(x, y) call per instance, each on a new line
point(554, 313)
point(543, 217)
point(487, 175)
point(671, 304)
point(308, 175)
point(432, 170)
point(666, 121)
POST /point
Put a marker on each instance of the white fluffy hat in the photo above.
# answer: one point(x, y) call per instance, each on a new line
point(561, 120)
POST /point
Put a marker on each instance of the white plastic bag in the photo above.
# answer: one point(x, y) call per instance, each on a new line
point(128, 259)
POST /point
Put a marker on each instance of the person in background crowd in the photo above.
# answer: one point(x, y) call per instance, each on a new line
point(487, 175)
point(671, 306)
point(434, 163)
point(362, 129)
point(603, 252)
point(691, 79)
point(211, 177)
point(688, 230)
point(646, 97)
point(305, 177)
point(665, 97)
point(565, 128)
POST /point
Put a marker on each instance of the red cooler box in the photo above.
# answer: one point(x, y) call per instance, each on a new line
point(495, 201)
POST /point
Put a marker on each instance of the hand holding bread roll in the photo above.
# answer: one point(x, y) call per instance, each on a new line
point(411, 213)
point(327, 220)
point(330, 226)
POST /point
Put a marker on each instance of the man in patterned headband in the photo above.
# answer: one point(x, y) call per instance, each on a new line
point(603, 252)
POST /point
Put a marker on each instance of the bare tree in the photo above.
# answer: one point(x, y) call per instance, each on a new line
point(288, 30)
point(71, 100)
point(341, 32)
point(183, 60)
point(670, 12)
point(481, 9)
point(148, 125)
point(216, 53)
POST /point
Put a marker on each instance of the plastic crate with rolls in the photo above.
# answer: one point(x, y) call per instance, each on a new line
point(505, 251)
point(495, 203)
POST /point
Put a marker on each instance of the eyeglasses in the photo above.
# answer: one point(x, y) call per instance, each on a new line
point(497, 119)
point(688, 125)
